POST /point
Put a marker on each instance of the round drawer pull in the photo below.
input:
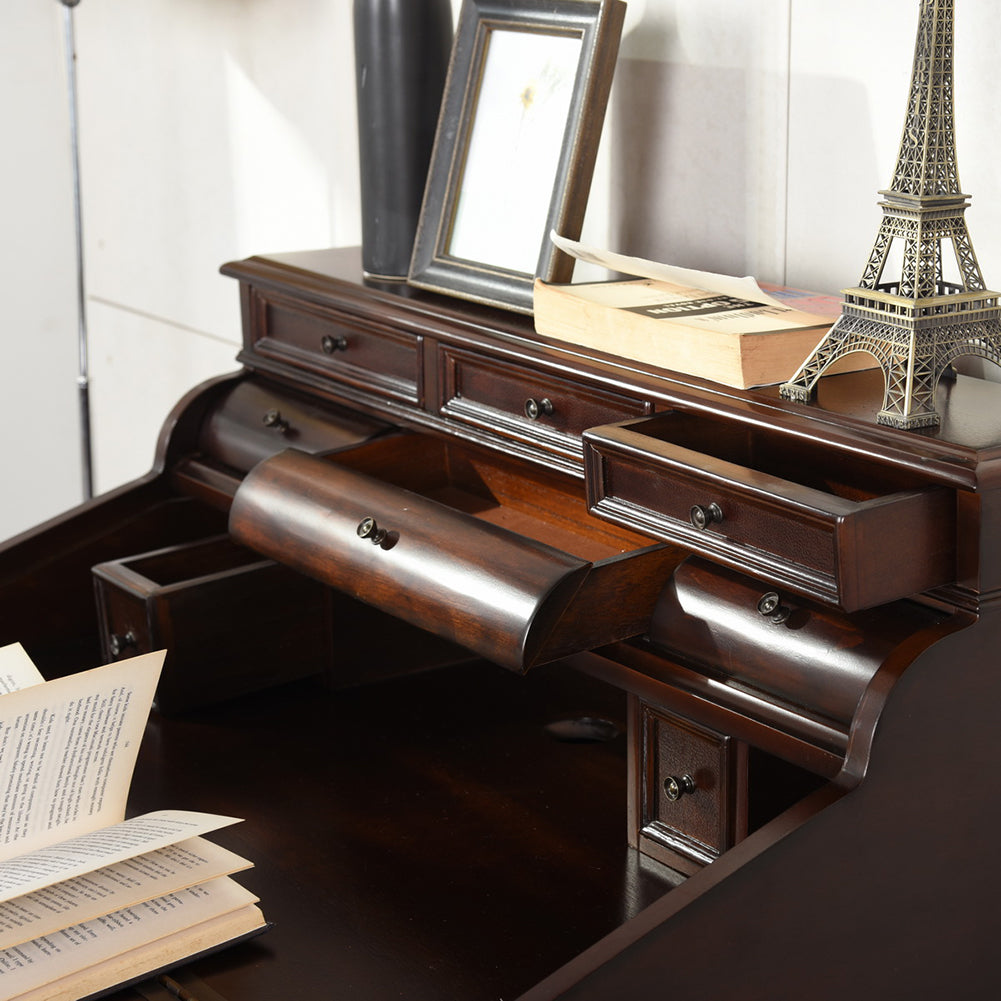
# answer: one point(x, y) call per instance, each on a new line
point(273, 419)
point(119, 643)
point(771, 607)
point(368, 529)
point(675, 788)
point(332, 344)
point(534, 409)
point(702, 516)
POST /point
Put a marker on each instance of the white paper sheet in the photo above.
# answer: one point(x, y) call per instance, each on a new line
point(739, 288)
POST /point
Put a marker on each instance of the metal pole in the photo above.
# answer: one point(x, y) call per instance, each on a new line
point(83, 371)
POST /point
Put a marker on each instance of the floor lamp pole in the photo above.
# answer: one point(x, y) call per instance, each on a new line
point(83, 371)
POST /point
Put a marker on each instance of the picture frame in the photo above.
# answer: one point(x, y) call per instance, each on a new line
point(516, 144)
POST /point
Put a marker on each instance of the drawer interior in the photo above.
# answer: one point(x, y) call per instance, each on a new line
point(190, 563)
point(775, 453)
point(230, 621)
point(548, 507)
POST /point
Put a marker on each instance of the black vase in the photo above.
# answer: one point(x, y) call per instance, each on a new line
point(402, 48)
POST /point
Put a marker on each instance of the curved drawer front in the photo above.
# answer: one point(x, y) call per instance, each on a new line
point(255, 421)
point(754, 498)
point(796, 653)
point(488, 589)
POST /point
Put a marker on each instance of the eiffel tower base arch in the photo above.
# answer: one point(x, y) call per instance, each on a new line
point(912, 357)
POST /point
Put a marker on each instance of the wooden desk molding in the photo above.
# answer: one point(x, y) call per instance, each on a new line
point(410, 541)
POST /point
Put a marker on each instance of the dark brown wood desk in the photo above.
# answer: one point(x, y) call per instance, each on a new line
point(410, 548)
point(432, 836)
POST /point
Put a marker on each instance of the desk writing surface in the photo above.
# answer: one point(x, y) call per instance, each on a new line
point(423, 838)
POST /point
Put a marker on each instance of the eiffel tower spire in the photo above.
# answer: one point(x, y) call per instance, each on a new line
point(937, 308)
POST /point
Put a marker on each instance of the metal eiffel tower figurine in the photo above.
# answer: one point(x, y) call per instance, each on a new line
point(917, 325)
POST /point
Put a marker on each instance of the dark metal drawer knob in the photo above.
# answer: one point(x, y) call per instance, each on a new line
point(702, 516)
point(535, 409)
point(675, 788)
point(368, 529)
point(273, 419)
point(331, 344)
point(771, 607)
point(119, 643)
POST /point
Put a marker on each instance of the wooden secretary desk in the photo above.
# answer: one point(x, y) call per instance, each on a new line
point(538, 674)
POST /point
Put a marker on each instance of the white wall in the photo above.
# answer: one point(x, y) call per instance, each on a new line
point(741, 137)
point(39, 455)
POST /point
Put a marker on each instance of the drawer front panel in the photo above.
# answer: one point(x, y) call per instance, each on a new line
point(691, 780)
point(123, 618)
point(526, 403)
point(255, 421)
point(746, 522)
point(444, 537)
point(827, 529)
point(473, 583)
point(366, 355)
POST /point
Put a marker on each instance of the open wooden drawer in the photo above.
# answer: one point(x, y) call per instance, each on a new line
point(840, 528)
point(458, 541)
point(230, 621)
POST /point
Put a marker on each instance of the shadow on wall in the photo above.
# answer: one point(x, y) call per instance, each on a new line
point(680, 182)
point(742, 168)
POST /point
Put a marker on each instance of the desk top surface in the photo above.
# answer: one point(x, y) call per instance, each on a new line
point(422, 838)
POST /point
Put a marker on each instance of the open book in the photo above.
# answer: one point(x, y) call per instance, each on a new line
point(715, 327)
point(89, 900)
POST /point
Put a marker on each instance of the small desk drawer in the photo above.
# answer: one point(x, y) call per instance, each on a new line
point(253, 420)
point(691, 791)
point(529, 404)
point(256, 420)
point(457, 541)
point(758, 499)
point(354, 351)
point(230, 621)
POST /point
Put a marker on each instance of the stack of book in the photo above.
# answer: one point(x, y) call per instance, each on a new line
point(90, 901)
point(728, 330)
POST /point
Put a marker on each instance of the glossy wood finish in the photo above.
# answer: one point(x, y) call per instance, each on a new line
point(802, 654)
point(371, 356)
point(887, 892)
point(689, 791)
point(498, 562)
point(821, 530)
point(426, 836)
point(526, 404)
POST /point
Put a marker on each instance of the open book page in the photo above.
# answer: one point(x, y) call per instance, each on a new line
point(145, 960)
point(48, 959)
point(68, 749)
point(86, 852)
point(16, 669)
point(737, 288)
point(114, 887)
